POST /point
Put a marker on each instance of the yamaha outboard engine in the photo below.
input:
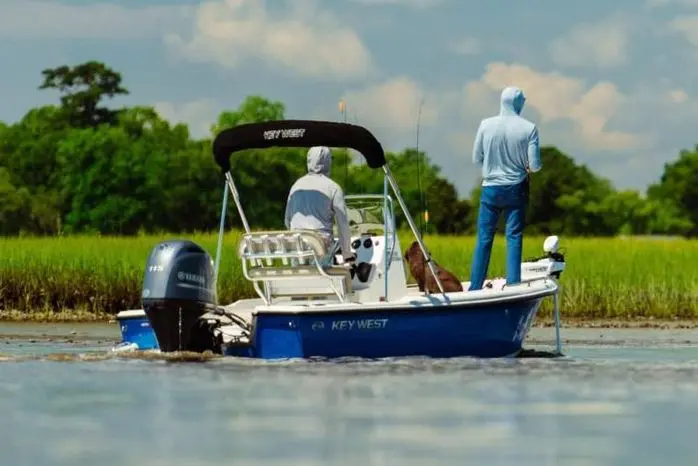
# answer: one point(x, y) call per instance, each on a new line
point(178, 288)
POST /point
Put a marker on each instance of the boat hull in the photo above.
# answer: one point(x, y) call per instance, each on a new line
point(486, 332)
point(136, 330)
point(491, 330)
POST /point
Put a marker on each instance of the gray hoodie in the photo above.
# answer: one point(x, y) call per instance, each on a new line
point(315, 200)
point(507, 145)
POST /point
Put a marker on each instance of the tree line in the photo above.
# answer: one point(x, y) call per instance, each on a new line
point(80, 166)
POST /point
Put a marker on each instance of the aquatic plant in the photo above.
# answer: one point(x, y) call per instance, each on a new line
point(614, 278)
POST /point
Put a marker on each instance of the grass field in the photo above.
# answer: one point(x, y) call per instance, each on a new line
point(83, 277)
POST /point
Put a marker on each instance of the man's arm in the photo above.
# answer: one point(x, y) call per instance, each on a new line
point(340, 214)
point(534, 162)
point(478, 149)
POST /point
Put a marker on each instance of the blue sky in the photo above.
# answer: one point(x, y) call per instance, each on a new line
point(611, 83)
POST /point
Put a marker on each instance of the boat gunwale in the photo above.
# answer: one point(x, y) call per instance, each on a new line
point(430, 303)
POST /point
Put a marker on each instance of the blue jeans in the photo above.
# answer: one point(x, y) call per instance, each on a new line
point(496, 200)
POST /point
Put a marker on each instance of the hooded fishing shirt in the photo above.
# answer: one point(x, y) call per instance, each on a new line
point(506, 145)
point(315, 201)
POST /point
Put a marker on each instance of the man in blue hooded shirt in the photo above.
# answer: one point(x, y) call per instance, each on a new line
point(507, 148)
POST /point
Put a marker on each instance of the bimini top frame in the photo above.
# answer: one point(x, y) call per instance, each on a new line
point(304, 133)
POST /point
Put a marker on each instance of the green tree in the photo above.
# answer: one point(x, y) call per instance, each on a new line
point(447, 213)
point(254, 109)
point(82, 167)
point(28, 148)
point(141, 174)
point(422, 187)
point(15, 205)
point(263, 176)
point(678, 188)
point(565, 198)
point(28, 153)
point(82, 88)
point(560, 186)
point(105, 180)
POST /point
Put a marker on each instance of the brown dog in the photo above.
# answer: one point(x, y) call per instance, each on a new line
point(421, 273)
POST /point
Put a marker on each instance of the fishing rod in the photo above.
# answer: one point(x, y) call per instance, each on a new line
point(362, 188)
point(423, 218)
point(424, 215)
point(343, 111)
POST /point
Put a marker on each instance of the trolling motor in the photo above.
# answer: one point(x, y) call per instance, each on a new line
point(551, 264)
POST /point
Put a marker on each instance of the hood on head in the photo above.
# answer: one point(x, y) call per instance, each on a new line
point(512, 101)
point(319, 160)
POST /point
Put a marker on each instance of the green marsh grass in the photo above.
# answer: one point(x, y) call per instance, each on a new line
point(615, 278)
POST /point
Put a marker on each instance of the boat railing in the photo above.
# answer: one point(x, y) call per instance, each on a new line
point(294, 263)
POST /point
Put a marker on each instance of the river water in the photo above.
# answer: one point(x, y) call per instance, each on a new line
point(620, 397)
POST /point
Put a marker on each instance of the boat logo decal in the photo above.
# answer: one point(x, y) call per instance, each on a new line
point(284, 133)
point(319, 325)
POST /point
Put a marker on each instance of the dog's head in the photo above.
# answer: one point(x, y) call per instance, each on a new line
point(413, 254)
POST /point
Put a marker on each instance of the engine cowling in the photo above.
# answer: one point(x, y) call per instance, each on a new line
point(178, 288)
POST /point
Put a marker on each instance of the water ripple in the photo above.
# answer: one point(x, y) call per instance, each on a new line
point(600, 405)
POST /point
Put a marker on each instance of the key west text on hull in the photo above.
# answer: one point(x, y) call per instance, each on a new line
point(309, 303)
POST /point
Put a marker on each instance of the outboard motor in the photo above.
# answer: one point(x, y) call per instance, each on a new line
point(178, 288)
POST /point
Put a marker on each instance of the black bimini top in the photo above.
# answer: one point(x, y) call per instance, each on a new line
point(297, 133)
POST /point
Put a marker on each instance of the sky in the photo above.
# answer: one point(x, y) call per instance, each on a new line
point(613, 84)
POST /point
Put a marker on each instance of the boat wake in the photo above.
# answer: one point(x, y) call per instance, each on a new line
point(187, 356)
point(615, 365)
point(93, 356)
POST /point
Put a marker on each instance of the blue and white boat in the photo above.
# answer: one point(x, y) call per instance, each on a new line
point(309, 304)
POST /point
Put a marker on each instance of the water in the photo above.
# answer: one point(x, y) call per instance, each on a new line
point(622, 397)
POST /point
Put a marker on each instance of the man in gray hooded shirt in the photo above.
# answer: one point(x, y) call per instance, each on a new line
point(507, 149)
point(315, 201)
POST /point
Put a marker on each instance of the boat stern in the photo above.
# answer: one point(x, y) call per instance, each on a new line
point(136, 332)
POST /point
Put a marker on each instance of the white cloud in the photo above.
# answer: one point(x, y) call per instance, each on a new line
point(393, 105)
point(467, 46)
point(31, 19)
point(687, 26)
point(662, 3)
point(656, 3)
point(602, 44)
point(390, 110)
point(199, 115)
point(678, 96)
point(419, 4)
point(306, 40)
point(556, 97)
